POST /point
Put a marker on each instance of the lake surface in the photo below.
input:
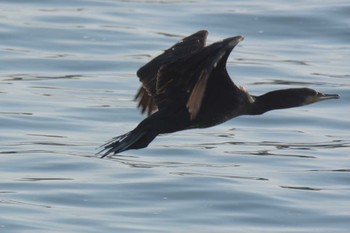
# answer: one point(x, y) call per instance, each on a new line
point(67, 82)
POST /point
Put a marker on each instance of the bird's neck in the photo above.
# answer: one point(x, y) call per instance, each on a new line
point(273, 100)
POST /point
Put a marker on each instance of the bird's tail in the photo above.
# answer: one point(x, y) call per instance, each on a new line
point(135, 139)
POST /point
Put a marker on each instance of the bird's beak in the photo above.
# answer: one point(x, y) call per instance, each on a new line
point(320, 96)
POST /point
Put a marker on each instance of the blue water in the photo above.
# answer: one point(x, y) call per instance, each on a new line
point(67, 82)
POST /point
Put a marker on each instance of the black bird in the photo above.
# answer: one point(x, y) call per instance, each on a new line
point(189, 85)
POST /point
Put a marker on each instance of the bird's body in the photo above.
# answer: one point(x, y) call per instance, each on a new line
point(190, 87)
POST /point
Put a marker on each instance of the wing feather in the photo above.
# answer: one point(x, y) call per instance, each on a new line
point(184, 81)
point(148, 74)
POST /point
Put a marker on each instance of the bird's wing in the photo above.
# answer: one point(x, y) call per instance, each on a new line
point(149, 72)
point(184, 81)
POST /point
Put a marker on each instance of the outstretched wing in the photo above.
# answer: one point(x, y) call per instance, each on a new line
point(184, 81)
point(148, 73)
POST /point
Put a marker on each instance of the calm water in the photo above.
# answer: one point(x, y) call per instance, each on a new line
point(67, 80)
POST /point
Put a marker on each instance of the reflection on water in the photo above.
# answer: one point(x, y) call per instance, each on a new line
point(137, 162)
point(13, 202)
point(301, 188)
point(29, 77)
point(221, 176)
point(333, 75)
point(282, 82)
point(280, 145)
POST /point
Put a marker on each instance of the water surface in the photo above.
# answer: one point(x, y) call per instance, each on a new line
point(67, 82)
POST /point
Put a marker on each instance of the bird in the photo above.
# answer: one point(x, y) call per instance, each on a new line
point(188, 86)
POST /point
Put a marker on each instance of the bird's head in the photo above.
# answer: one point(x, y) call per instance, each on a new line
point(288, 98)
point(312, 96)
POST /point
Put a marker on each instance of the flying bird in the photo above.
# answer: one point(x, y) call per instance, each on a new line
point(188, 86)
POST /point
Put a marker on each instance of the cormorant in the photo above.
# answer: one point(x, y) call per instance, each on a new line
point(189, 85)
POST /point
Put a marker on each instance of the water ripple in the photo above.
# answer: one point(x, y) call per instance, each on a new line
point(67, 81)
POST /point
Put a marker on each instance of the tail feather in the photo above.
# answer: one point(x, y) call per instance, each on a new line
point(134, 139)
